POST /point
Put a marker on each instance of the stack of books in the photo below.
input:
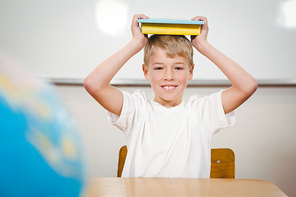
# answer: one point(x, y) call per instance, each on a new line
point(170, 26)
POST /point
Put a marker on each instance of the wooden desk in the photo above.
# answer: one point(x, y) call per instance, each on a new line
point(181, 187)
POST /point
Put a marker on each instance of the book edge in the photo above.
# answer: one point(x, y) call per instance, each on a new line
point(170, 21)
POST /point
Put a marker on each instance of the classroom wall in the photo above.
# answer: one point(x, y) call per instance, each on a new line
point(263, 137)
point(66, 39)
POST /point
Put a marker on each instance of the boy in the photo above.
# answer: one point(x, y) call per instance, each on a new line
point(168, 137)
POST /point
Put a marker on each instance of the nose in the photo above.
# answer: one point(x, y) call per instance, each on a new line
point(169, 75)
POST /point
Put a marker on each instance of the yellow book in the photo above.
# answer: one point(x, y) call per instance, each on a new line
point(170, 26)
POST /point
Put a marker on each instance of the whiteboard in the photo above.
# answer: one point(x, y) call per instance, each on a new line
point(67, 39)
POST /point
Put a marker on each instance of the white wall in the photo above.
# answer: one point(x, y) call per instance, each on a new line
point(65, 39)
point(263, 137)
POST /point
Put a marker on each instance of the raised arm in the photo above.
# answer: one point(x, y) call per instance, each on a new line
point(97, 83)
point(243, 84)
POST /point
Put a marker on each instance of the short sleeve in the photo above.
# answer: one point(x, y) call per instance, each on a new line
point(209, 113)
point(133, 105)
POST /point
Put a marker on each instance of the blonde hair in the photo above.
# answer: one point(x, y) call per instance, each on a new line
point(173, 45)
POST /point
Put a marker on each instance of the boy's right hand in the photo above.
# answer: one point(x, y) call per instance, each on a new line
point(136, 30)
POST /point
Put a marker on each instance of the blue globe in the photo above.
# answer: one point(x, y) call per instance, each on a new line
point(40, 150)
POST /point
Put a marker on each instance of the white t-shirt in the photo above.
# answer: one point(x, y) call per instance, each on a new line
point(170, 142)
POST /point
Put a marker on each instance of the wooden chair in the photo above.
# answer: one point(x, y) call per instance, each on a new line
point(121, 160)
point(222, 162)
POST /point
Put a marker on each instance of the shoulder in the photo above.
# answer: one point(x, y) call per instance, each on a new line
point(195, 98)
point(205, 104)
point(136, 101)
point(133, 106)
point(137, 96)
point(140, 94)
point(209, 111)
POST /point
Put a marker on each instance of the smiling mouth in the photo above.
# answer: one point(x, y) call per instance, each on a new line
point(169, 87)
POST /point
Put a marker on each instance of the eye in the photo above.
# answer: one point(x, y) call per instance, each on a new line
point(158, 68)
point(179, 68)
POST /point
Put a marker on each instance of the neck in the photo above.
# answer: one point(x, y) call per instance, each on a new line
point(168, 104)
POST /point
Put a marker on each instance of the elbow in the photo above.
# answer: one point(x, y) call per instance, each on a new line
point(251, 88)
point(86, 84)
point(94, 84)
point(254, 86)
point(247, 89)
point(89, 85)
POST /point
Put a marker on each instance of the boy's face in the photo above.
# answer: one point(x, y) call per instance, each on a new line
point(168, 77)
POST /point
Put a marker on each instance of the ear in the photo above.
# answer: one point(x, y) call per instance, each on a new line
point(191, 72)
point(145, 71)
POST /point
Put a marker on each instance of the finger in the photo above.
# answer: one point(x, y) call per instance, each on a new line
point(199, 18)
point(136, 17)
point(139, 16)
point(204, 19)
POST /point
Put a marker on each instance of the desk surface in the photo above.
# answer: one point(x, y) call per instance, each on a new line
point(181, 187)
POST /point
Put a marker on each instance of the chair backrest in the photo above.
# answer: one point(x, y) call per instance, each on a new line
point(222, 162)
point(121, 160)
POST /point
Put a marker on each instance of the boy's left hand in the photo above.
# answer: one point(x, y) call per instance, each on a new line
point(198, 40)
